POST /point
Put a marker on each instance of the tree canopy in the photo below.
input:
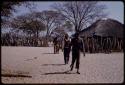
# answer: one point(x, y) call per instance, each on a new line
point(28, 23)
point(80, 13)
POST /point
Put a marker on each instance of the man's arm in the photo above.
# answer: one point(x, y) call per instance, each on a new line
point(63, 42)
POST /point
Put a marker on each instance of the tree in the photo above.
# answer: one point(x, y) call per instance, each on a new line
point(29, 24)
point(8, 7)
point(62, 30)
point(51, 19)
point(67, 26)
point(80, 13)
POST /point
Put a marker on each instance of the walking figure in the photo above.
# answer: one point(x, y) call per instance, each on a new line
point(77, 45)
point(56, 46)
point(66, 47)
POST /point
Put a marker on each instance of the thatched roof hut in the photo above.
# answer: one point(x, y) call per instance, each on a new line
point(104, 28)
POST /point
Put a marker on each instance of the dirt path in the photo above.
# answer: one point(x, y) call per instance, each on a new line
point(45, 67)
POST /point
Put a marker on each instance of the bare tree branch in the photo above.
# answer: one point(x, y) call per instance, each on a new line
point(80, 13)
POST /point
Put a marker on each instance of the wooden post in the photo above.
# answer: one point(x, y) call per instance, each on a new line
point(87, 44)
point(86, 47)
point(110, 44)
point(120, 44)
point(103, 42)
point(94, 45)
point(101, 45)
point(93, 41)
point(114, 42)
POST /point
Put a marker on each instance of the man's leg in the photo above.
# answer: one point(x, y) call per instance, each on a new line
point(77, 63)
point(68, 55)
point(64, 56)
point(73, 61)
point(67, 60)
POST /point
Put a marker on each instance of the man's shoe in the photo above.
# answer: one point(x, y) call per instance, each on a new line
point(78, 72)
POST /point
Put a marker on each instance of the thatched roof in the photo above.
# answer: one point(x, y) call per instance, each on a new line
point(104, 28)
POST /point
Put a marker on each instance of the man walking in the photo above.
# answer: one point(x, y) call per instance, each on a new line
point(66, 47)
point(76, 44)
point(56, 46)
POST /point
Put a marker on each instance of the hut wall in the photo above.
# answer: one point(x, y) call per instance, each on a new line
point(103, 44)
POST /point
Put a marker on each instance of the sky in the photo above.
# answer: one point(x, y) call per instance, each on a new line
point(115, 9)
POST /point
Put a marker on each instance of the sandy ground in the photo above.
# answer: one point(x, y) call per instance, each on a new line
point(45, 67)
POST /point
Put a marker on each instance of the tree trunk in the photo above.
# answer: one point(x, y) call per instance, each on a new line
point(46, 38)
point(45, 41)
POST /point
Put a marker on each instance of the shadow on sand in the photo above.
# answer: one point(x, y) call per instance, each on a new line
point(52, 64)
point(15, 75)
point(66, 72)
point(48, 53)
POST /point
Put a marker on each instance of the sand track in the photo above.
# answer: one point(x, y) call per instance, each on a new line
point(45, 67)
